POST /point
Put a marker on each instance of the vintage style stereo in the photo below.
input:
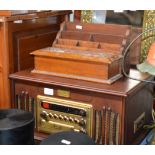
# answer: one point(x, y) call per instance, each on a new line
point(112, 114)
point(56, 115)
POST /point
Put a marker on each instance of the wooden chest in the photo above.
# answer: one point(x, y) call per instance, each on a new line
point(91, 52)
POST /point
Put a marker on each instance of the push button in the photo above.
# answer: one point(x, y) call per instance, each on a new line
point(66, 118)
point(56, 116)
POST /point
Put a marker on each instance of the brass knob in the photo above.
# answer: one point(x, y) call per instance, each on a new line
point(82, 122)
point(76, 120)
point(61, 117)
point(56, 116)
point(51, 115)
point(44, 115)
point(71, 119)
point(66, 118)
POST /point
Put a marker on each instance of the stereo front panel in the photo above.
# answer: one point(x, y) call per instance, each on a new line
point(56, 115)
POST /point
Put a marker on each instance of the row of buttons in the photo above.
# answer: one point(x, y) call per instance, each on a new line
point(45, 116)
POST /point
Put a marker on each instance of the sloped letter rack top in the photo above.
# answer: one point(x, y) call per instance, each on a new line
point(91, 52)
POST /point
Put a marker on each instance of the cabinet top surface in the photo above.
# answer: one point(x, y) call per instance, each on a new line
point(27, 14)
point(121, 87)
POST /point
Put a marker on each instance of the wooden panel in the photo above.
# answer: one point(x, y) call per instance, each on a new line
point(67, 42)
point(1, 44)
point(88, 44)
point(109, 39)
point(1, 62)
point(135, 49)
point(30, 36)
point(71, 67)
point(28, 43)
point(111, 48)
point(113, 29)
point(75, 35)
point(4, 83)
point(144, 100)
point(5, 13)
point(1, 88)
point(33, 24)
point(14, 12)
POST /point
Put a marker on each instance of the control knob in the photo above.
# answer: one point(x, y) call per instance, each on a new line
point(51, 115)
point(66, 118)
point(61, 117)
point(82, 113)
point(82, 122)
point(44, 115)
point(76, 120)
point(56, 116)
point(71, 119)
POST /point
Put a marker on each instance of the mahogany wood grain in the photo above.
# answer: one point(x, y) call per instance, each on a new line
point(80, 64)
point(75, 35)
point(121, 87)
point(41, 14)
point(114, 29)
point(105, 38)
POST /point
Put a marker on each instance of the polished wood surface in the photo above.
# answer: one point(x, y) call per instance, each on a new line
point(121, 87)
point(8, 13)
point(31, 14)
point(20, 34)
point(91, 52)
point(126, 97)
point(76, 64)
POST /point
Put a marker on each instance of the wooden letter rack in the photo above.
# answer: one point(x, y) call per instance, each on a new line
point(91, 52)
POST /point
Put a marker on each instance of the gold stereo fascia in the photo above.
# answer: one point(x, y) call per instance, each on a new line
point(53, 125)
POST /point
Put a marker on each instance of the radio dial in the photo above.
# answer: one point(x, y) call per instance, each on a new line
point(66, 118)
point(44, 115)
point(56, 116)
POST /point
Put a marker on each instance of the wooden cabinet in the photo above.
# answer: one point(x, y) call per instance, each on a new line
point(129, 100)
point(21, 33)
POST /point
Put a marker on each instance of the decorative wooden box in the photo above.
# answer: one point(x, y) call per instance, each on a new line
point(90, 52)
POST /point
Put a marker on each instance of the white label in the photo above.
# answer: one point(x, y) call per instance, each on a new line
point(48, 91)
point(79, 27)
point(18, 21)
point(64, 141)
